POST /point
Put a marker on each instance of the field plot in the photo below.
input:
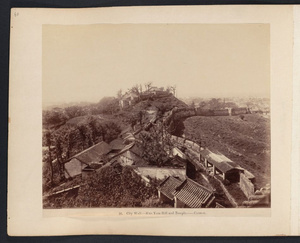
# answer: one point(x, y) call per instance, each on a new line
point(245, 141)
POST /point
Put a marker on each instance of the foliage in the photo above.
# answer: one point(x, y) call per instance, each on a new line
point(148, 86)
point(69, 140)
point(246, 142)
point(63, 143)
point(107, 105)
point(110, 187)
point(74, 111)
point(156, 145)
point(54, 117)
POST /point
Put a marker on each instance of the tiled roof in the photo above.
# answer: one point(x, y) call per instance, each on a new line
point(129, 137)
point(92, 154)
point(192, 194)
point(117, 144)
point(136, 149)
point(168, 186)
point(126, 148)
point(188, 191)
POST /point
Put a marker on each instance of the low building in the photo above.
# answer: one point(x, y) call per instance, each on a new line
point(240, 111)
point(185, 193)
point(131, 154)
point(117, 145)
point(128, 99)
point(91, 158)
point(221, 165)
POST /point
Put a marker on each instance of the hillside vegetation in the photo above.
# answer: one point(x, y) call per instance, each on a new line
point(112, 187)
point(245, 141)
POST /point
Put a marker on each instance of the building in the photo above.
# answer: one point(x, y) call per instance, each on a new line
point(128, 99)
point(239, 111)
point(131, 154)
point(117, 145)
point(185, 193)
point(220, 165)
point(89, 158)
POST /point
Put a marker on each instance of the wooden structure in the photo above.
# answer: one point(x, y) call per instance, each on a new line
point(221, 165)
point(91, 157)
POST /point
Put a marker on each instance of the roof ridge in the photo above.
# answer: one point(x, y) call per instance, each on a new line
point(197, 184)
point(87, 149)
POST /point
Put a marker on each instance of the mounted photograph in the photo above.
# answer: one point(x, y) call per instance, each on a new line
point(156, 116)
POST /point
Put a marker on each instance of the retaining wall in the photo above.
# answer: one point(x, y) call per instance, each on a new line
point(246, 186)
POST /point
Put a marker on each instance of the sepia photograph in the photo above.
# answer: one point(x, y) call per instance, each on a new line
point(161, 121)
point(156, 116)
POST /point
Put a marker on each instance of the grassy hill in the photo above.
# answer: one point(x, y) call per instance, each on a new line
point(168, 102)
point(246, 142)
point(160, 103)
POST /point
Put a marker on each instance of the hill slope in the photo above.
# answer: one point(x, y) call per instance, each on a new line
point(246, 142)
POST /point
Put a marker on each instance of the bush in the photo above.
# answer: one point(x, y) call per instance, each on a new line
point(112, 187)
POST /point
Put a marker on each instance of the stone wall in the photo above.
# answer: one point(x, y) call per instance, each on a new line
point(228, 195)
point(160, 173)
point(246, 186)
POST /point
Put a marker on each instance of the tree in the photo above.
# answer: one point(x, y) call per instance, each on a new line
point(74, 111)
point(48, 144)
point(192, 105)
point(136, 90)
point(71, 142)
point(113, 186)
point(59, 155)
point(202, 104)
point(85, 134)
point(156, 145)
point(215, 104)
point(108, 105)
point(119, 94)
point(148, 86)
point(112, 107)
point(54, 117)
point(172, 89)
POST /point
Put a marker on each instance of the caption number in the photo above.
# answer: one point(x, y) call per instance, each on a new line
point(16, 14)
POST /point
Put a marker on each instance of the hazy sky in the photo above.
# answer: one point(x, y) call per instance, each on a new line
point(88, 62)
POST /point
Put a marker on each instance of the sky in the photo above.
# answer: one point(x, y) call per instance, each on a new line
point(84, 63)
